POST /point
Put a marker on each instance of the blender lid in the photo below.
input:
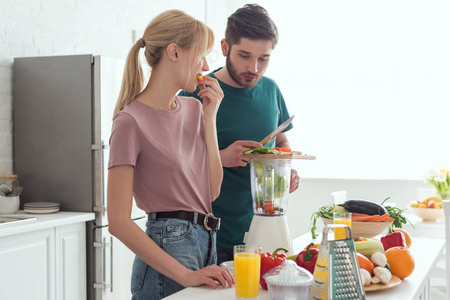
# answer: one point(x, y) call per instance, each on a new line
point(288, 274)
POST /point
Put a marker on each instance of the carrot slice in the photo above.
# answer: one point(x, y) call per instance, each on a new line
point(383, 217)
point(359, 214)
point(373, 218)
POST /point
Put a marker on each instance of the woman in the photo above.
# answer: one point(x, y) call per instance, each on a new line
point(163, 151)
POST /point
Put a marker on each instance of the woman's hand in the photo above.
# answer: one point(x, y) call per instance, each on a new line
point(209, 275)
point(212, 95)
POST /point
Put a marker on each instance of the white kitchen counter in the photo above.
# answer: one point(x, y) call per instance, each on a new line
point(43, 221)
point(426, 252)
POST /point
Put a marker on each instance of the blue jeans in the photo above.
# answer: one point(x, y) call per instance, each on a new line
point(190, 244)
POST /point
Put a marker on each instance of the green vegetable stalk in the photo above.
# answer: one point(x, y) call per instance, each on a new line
point(325, 211)
point(279, 181)
point(395, 213)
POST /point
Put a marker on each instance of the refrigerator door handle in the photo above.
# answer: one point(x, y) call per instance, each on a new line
point(100, 147)
point(104, 245)
point(111, 269)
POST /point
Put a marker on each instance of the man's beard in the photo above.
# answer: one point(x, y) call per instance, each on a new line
point(235, 76)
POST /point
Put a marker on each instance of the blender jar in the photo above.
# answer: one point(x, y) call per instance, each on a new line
point(270, 179)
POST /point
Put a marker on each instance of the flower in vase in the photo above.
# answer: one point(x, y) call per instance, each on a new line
point(440, 179)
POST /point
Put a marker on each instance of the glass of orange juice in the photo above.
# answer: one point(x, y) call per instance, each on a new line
point(247, 265)
point(341, 217)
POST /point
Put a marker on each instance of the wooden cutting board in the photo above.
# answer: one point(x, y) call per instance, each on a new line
point(291, 155)
point(376, 287)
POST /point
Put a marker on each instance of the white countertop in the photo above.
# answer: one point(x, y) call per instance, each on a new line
point(426, 252)
point(434, 229)
point(43, 221)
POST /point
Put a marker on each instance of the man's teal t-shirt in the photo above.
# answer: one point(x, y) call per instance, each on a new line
point(244, 114)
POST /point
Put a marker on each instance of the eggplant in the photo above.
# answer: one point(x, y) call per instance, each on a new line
point(364, 207)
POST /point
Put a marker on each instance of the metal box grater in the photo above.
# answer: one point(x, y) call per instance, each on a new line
point(336, 275)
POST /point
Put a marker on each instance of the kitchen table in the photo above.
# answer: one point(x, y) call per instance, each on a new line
point(426, 252)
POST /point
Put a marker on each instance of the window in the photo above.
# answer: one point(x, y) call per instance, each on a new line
point(369, 84)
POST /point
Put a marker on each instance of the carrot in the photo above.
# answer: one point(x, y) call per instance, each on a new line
point(359, 215)
point(383, 217)
point(373, 218)
point(388, 219)
point(201, 78)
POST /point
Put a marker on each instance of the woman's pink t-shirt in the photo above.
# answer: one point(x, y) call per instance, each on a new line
point(168, 152)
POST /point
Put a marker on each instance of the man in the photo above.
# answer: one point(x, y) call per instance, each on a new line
point(252, 107)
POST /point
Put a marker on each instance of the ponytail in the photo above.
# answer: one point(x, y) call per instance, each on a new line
point(133, 79)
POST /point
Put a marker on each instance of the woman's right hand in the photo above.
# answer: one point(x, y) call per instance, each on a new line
point(211, 94)
point(209, 275)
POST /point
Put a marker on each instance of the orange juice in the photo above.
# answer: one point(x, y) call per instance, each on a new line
point(246, 274)
point(339, 233)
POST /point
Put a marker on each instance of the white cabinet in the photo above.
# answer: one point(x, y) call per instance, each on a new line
point(70, 261)
point(27, 266)
point(44, 264)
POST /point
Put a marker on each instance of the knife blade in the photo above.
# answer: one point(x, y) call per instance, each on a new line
point(277, 131)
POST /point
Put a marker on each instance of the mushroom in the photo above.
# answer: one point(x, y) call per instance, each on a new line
point(378, 259)
point(382, 275)
point(365, 276)
point(375, 280)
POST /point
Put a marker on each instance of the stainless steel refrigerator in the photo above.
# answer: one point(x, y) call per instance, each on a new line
point(62, 112)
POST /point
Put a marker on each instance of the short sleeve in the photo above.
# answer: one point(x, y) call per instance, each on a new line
point(124, 141)
point(284, 113)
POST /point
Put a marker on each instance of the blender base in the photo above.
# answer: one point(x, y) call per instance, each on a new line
point(269, 233)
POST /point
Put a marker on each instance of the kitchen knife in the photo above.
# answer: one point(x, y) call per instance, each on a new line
point(277, 131)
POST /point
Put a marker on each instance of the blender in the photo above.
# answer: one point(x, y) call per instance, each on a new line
point(270, 179)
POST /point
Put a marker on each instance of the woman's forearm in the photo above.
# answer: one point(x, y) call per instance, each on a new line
point(214, 162)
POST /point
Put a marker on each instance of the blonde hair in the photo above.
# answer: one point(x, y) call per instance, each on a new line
point(171, 26)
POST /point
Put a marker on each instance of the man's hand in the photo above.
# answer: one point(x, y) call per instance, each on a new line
point(295, 181)
point(230, 156)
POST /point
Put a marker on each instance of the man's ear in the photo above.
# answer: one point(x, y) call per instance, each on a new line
point(172, 53)
point(224, 47)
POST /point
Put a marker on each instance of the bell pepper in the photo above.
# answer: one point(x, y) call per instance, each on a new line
point(307, 258)
point(393, 240)
point(269, 261)
point(283, 149)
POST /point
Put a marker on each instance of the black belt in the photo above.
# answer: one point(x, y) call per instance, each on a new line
point(208, 221)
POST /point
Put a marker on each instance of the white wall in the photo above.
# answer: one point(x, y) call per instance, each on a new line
point(368, 82)
point(51, 27)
